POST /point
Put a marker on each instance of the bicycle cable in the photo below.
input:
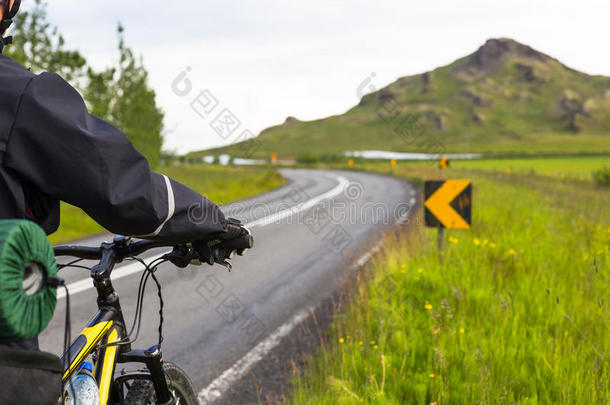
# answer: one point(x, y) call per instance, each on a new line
point(149, 270)
point(72, 264)
point(68, 338)
point(56, 282)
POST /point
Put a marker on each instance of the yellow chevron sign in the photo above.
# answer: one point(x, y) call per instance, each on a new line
point(448, 203)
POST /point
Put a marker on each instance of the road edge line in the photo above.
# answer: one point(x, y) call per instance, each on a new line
point(241, 367)
point(127, 270)
point(219, 386)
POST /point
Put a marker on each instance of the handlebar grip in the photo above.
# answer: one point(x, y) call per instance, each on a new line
point(81, 252)
point(241, 243)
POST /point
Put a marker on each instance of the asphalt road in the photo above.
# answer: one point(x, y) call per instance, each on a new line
point(306, 234)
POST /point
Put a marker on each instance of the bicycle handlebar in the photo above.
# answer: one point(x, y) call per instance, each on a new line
point(82, 252)
point(120, 243)
point(123, 247)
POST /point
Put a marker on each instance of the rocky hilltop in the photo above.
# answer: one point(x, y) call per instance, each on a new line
point(504, 97)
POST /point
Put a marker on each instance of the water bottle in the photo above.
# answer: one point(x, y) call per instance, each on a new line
point(83, 389)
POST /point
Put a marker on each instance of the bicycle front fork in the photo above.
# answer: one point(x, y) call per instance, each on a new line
point(153, 359)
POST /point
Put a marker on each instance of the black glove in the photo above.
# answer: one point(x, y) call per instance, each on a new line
point(235, 240)
point(235, 229)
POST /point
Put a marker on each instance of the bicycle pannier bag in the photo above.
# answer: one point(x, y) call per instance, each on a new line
point(27, 303)
point(29, 377)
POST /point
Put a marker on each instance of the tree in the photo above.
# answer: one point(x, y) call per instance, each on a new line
point(99, 92)
point(39, 46)
point(122, 96)
point(136, 110)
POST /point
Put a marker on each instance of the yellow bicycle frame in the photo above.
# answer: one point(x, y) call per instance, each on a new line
point(102, 333)
point(105, 336)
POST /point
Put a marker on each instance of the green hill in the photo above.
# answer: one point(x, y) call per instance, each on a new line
point(504, 98)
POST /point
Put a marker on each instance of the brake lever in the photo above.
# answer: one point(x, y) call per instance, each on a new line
point(227, 264)
point(220, 256)
point(182, 256)
point(185, 255)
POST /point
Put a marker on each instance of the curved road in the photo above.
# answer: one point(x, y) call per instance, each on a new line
point(219, 323)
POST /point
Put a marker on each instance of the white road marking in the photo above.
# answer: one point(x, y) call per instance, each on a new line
point(230, 376)
point(129, 269)
point(83, 285)
point(220, 385)
point(278, 216)
point(364, 259)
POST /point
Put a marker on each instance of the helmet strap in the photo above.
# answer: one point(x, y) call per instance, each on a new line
point(10, 14)
point(7, 20)
point(5, 41)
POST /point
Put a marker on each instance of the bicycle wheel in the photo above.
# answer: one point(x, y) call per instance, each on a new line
point(142, 392)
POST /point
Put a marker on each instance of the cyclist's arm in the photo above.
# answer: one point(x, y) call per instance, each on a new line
point(57, 146)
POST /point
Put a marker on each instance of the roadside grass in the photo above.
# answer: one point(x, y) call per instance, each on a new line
point(377, 136)
point(517, 312)
point(561, 167)
point(220, 184)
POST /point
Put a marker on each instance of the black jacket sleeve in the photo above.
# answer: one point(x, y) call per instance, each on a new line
point(58, 147)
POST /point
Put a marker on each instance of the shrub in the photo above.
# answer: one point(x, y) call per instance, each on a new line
point(601, 177)
point(332, 157)
point(307, 157)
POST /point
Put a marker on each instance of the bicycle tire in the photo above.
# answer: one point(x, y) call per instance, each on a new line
point(142, 392)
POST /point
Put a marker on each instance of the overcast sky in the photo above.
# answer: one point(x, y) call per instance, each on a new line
point(267, 59)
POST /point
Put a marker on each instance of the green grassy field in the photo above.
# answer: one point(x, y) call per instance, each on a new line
point(579, 168)
point(221, 184)
point(517, 313)
point(574, 167)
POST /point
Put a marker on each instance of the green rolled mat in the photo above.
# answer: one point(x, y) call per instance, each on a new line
point(24, 247)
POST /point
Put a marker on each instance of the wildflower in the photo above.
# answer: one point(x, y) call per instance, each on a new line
point(428, 306)
point(403, 271)
point(436, 331)
point(432, 375)
point(485, 242)
point(403, 266)
point(492, 245)
point(512, 252)
point(375, 347)
point(372, 342)
point(461, 330)
point(420, 270)
point(341, 340)
point(361, 343)
point(453, 240)
point(477, 242)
